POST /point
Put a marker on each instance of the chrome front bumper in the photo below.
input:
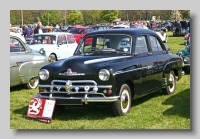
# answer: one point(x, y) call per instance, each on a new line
point(87, 93)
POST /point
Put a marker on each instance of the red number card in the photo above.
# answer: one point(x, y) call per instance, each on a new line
point(41, 109)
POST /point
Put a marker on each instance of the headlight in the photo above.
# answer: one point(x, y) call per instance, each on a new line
point(180, 53)
point(186, 59)
point(42, 51)
point(44, 74)
point(52, 58)
point(104, 74)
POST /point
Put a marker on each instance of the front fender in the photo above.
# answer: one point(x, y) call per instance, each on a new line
point(176, 66)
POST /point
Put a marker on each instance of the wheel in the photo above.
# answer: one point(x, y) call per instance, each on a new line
point(122, 106)
point(170, 89)
point(33, 83)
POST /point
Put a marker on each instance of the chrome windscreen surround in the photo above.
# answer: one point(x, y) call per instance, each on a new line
point(74, 86)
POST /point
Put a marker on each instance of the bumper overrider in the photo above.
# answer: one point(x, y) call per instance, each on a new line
point(76, 92)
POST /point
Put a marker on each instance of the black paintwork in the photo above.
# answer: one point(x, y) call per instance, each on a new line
point(141, 79)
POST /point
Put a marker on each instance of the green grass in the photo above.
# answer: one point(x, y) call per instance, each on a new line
point(154, 111)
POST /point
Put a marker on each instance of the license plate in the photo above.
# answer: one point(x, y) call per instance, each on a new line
point(69, 102)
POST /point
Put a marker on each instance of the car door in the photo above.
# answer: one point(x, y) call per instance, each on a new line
point(161, 55)
point(19, 61)
point(148, 64)
point(71, 45)
point(62, 47)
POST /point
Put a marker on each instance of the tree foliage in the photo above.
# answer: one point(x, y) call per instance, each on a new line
point(92, 16)
point(108, 15)
point(74, 16)
point(176, 15)
point(52, 17)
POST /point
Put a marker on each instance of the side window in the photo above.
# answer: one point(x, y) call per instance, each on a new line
point(62, 39)
point(141, 45)
point(155, 44)
point(16, 46)
point(70, 39)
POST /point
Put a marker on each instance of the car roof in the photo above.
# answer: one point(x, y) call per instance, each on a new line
point(53, 33)
point(18, 35)
point(130, 31)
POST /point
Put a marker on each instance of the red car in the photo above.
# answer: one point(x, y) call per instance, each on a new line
point(79, 32)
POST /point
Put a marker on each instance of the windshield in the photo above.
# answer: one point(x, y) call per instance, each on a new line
point(100, 44)
point(43, 39)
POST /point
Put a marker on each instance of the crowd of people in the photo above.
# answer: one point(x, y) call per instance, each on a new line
point(26, 31)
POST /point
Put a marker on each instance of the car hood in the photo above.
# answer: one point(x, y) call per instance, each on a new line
point(87, 65)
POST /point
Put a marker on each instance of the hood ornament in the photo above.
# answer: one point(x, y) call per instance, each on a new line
point(70, 73)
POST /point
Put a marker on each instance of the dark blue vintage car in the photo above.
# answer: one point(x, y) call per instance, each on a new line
point(125, 64)
point(185, 56)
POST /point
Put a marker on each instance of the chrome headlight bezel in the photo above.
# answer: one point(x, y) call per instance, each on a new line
point(104, 75)
point(43, 74)
point(42, 51)
point(186, 59)
point(51, 58)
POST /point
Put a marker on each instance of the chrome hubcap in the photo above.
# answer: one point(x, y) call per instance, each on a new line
point(171, 80)
point(125, 101)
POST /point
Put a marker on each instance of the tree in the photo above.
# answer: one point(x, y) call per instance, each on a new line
point(74, 16)
point(52, 16)
point(176, 15)
point(108, 15)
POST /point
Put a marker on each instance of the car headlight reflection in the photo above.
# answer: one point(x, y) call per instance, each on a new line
point(186, 59)
point(43, 74)
point(42, 51)
point(104, 75)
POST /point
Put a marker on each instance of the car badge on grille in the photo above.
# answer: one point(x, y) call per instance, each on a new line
point(67, 87)
point(86, 88)
point(70, 73)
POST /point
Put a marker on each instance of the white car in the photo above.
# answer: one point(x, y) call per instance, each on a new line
point(162, 35)
point(59, 45)
point(120, 26)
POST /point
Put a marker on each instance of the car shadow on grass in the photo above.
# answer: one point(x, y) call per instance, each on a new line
point(18, 88)
point(90, 111)
point(180, 104)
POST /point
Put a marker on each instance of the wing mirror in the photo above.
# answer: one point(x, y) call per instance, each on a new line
point(167, 48)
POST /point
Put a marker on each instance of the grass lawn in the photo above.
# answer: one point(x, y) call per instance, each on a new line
point(154, 111)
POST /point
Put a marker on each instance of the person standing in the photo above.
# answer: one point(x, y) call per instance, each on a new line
point(178, 28)
point(26, 31)
point(38, 29)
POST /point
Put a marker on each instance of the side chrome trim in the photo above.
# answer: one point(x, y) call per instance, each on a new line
point(121, 71)
point(104, 59)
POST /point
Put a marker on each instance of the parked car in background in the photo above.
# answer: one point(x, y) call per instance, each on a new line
point(159, 27)
point(66, 28)
point(125, 65)
point(163, 36)
point(24, 63)
point(120, 26)
point(79, 32)
point(168, 25)
point(185, 56)
point(55, 45)
point(53, 30)
point(184, 29)
point(100, 27)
